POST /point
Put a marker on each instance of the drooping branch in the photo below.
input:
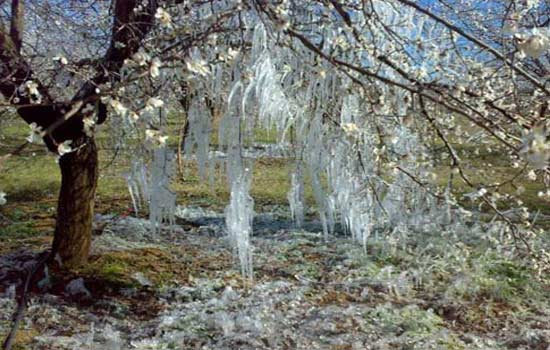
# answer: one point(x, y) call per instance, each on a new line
point(416, 88)
point(479, 43)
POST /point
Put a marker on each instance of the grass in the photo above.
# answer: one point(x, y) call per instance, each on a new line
point(34, 174)
point(484, 166)
point(410, 319)
point(120, 267)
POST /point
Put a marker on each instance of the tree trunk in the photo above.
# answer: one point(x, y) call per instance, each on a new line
point(73, 231)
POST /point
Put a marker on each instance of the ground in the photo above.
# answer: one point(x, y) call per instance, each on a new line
point(181, 289)
point(459, 287)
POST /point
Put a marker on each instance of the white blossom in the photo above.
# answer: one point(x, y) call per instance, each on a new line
point(141, 58)
point(465, 212)
point(198, 66)
point(351, 129)
point(534, 44)
point(229, 55)
point(64, 147)
point(155, 138)
point(134, 116)
point(89, 124)
point(536, 148)
point(32, 89)
point(476, 194)
point(154, 68)
point(544, 194)
point(61, 59)
point(118, 107)
point(36, 133)
point(342, 42)
point(154, 102)
point(164, 17)
point(520, 190)
point(3, 200)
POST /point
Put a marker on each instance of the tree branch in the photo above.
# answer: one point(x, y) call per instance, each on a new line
point(17, 23)
point(478, 42)
point(129, 30)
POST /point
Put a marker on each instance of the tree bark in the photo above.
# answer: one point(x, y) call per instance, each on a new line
point(75, 211)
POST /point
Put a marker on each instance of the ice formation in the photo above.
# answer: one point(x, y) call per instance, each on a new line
point(337, 143)
point(364, 161)
point(198, 139)
point(151, 187)
point(162, 203)
point(239, 213)
point(295, 196)
point(138, 185)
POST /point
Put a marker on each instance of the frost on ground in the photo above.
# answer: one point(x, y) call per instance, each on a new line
point(425, 291)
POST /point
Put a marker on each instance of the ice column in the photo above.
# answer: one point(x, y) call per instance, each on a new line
point(162, 203)
point(239, 213)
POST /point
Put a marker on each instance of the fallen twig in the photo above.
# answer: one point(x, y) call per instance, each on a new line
point(22, 304)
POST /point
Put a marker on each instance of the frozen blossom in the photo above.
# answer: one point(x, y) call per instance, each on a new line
point(198, 66)
point(64, 147)
point(61, 59)
point(351, 129)
point(141, 58)
point(536, 148)
point(153, 102)
point(31, 88)
point(155, 138)
point(229, 56)
point(35, 134)
point(154, 68)
point(163, 17)
point(89, 124)
point(476, 194)
point(118, 107)
point(534, 43)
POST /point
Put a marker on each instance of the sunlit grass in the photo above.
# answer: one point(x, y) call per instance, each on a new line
point(33, 176)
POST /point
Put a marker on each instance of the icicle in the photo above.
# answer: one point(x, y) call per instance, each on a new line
point(296, 196)
point(240, 211)
point(162, 203)
point(198, 139)
point(138, 185)
point(239, 215)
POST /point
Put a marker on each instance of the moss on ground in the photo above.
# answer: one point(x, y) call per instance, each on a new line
point(122, 268)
